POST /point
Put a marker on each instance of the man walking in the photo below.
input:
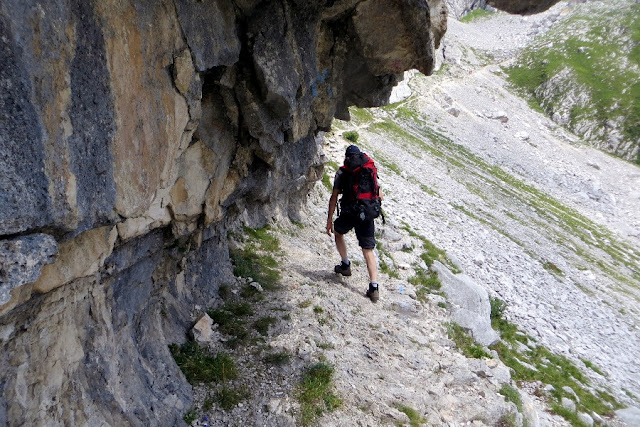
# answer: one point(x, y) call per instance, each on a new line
point(351, 215)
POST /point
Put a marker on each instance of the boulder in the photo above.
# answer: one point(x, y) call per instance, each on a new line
point(470, 306)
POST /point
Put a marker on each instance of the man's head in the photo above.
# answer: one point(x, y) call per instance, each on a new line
point(352, 150)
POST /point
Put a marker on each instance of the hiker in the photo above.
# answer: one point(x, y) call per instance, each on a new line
point(357, 181)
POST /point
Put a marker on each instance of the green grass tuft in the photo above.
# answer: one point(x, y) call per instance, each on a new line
point(278, 359)
point(200, 366)
point(351, 135)
point(415, 419)
point(228, 397)
point(511, 394)
point(316, 393)
point(465, 343)
point(262, 324)
point(190, 416)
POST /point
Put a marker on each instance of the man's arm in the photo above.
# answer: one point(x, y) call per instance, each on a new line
point(332, 207)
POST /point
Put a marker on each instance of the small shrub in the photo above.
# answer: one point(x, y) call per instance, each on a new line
point(317, 309)
point(351, 135)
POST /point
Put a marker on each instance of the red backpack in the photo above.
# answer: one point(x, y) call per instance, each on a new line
point(361, 193)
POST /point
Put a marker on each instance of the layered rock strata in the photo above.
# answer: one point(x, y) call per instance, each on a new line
point(132, 135)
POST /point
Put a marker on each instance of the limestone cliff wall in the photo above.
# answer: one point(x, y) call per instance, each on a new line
point(132, 134)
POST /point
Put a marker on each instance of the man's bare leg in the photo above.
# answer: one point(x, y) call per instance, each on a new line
point(341, 245)
point(372, 265)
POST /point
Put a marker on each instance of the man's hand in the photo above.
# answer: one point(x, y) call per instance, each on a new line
point(329, 227)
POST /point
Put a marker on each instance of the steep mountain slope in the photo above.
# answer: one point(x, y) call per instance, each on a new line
point(547, 226)
point(585, 74)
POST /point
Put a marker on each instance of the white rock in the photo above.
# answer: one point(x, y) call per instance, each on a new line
point(568, 404)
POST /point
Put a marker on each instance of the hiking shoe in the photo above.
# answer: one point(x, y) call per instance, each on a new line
point(372, 293)
point(342, 268)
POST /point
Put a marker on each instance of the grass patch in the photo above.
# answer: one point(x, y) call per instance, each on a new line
point(476, 15)
point(327, 181)
point(426, 282)
point(207, 404)
point(591, 46)
point(304, 304)
point(593, 367)
point(316, 394)
point(511, 394)
point(229, 322)
point(262, 324)
point(260, 267)
point(278, 359)
point(361, 115)
point(465, 343)
point(551, 267)
point(431, 251)
point(415, 420)
point(256, 259)
point(200, 366)
point(351, 135)
point(190, 416)
point(536, 363)
point(228, 397)
point(384, 267)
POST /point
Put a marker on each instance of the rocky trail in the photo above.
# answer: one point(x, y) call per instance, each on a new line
point(522, 210)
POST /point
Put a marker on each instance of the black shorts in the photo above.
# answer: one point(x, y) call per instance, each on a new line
point(365, 230)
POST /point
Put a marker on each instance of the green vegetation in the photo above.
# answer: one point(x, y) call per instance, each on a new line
point(360, 115)
point(262, 324)
point(228, 397)
point(426, 282)
point(278, 359)
point(384, 267)
point(304, 304)
point(511, 394)
point(327, 182)
point(465, 342)
point(190, 416)
point(568, 227)
point(475, 15)
point(600, 62)
point(256, 259)
point(200, 366)
point(316, 393)
point(530, 362)
point(351, 135)
point(415, 420)
point(593, 367)
point(432, 252)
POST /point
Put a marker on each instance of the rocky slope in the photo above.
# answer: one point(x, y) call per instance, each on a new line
point(135, 135)
point(528, 215)
point(584, 74)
